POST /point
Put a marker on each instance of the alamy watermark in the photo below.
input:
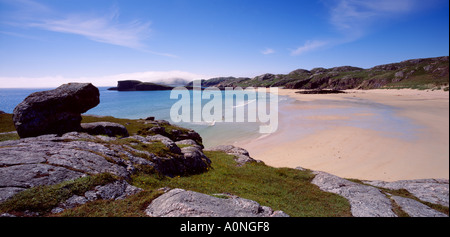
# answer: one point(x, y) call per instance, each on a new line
point(261, 106)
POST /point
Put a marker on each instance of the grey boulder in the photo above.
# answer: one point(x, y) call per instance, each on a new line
point(370, 201)
point(182, 203)
point(105, 128)
point(55, 111)
point(365, 201)
point(429, 190)
point(241, 155)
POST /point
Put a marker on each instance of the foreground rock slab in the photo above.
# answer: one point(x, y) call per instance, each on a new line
point(241, 155)
point(113, 191)
point(55, 111)
point(105, 128)
point(365, 201)
point(416, 209)
point(369, 201)
point(182, 203)
point(429, 190)
point(51, 159)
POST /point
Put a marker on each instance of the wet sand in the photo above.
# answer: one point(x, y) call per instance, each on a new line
point(371, 135)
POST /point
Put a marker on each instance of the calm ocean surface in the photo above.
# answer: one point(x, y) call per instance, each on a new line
point(142, 104)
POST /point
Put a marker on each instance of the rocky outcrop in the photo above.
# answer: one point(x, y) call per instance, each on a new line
point(134, 85)
point(416, 209)
point(182, 203)
point(369, 201)
point(241, 155)
point(365, 201)
point(51, 159)
point(428, 190)
point(220, 82)
point(320, 92)
point(117, 190)
point(426, 72)
point(55, 111)
point(173, 133)
point(105, 128)
point(187, 160)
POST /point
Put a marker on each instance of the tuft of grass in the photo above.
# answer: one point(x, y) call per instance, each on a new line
point(6, 123)
point(155, 147)
point(406, 194)
point(43, 199)
point(132, 206)
point(132, 125)
point(9, 136)
point(141, 127)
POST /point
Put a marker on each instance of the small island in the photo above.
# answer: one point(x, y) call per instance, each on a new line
point(135, 85)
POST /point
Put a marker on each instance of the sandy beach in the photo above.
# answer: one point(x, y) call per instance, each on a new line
point(365, 134)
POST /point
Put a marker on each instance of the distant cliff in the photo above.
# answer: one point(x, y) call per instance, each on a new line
point(134, 85)
point(423, 73)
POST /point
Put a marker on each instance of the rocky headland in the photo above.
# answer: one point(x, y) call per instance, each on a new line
point(424, 73)
point(67, 168)
point(134, 85)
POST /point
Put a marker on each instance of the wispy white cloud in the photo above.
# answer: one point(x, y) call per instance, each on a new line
point(104, 27)
point(109, 80)
point(357, 16)
point(15, 34)
point(268, 51)
point(27, 5)
point(354, 19)
point(101, 29)
point(310, 45)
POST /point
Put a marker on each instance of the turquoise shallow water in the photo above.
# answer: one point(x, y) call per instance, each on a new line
point(353, 112)
point(142, 104)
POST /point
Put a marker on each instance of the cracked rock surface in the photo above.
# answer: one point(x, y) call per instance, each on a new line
point(51, 159)
point(182, 203)
point(369, 201)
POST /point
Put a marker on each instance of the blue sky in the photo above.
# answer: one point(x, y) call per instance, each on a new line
point(49, 42)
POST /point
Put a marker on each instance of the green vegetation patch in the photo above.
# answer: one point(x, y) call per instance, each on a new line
point(143, 127)
point(9, 136)
point(6, 123)
point(284, 189)
point(132, 206)
point(132, 125)
point(43, 199)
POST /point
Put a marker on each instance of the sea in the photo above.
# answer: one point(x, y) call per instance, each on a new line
point(143, 104)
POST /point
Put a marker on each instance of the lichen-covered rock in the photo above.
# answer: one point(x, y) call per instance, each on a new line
point(241, 155)
point(105, 128)
point(51, 159)
point(188, 142)
point(369, 201)
point(365, 201)
point(429, 190)
point(112, 191)
point(55, 111)
point(187, 160)
point(182, 203)
point(416, 209)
